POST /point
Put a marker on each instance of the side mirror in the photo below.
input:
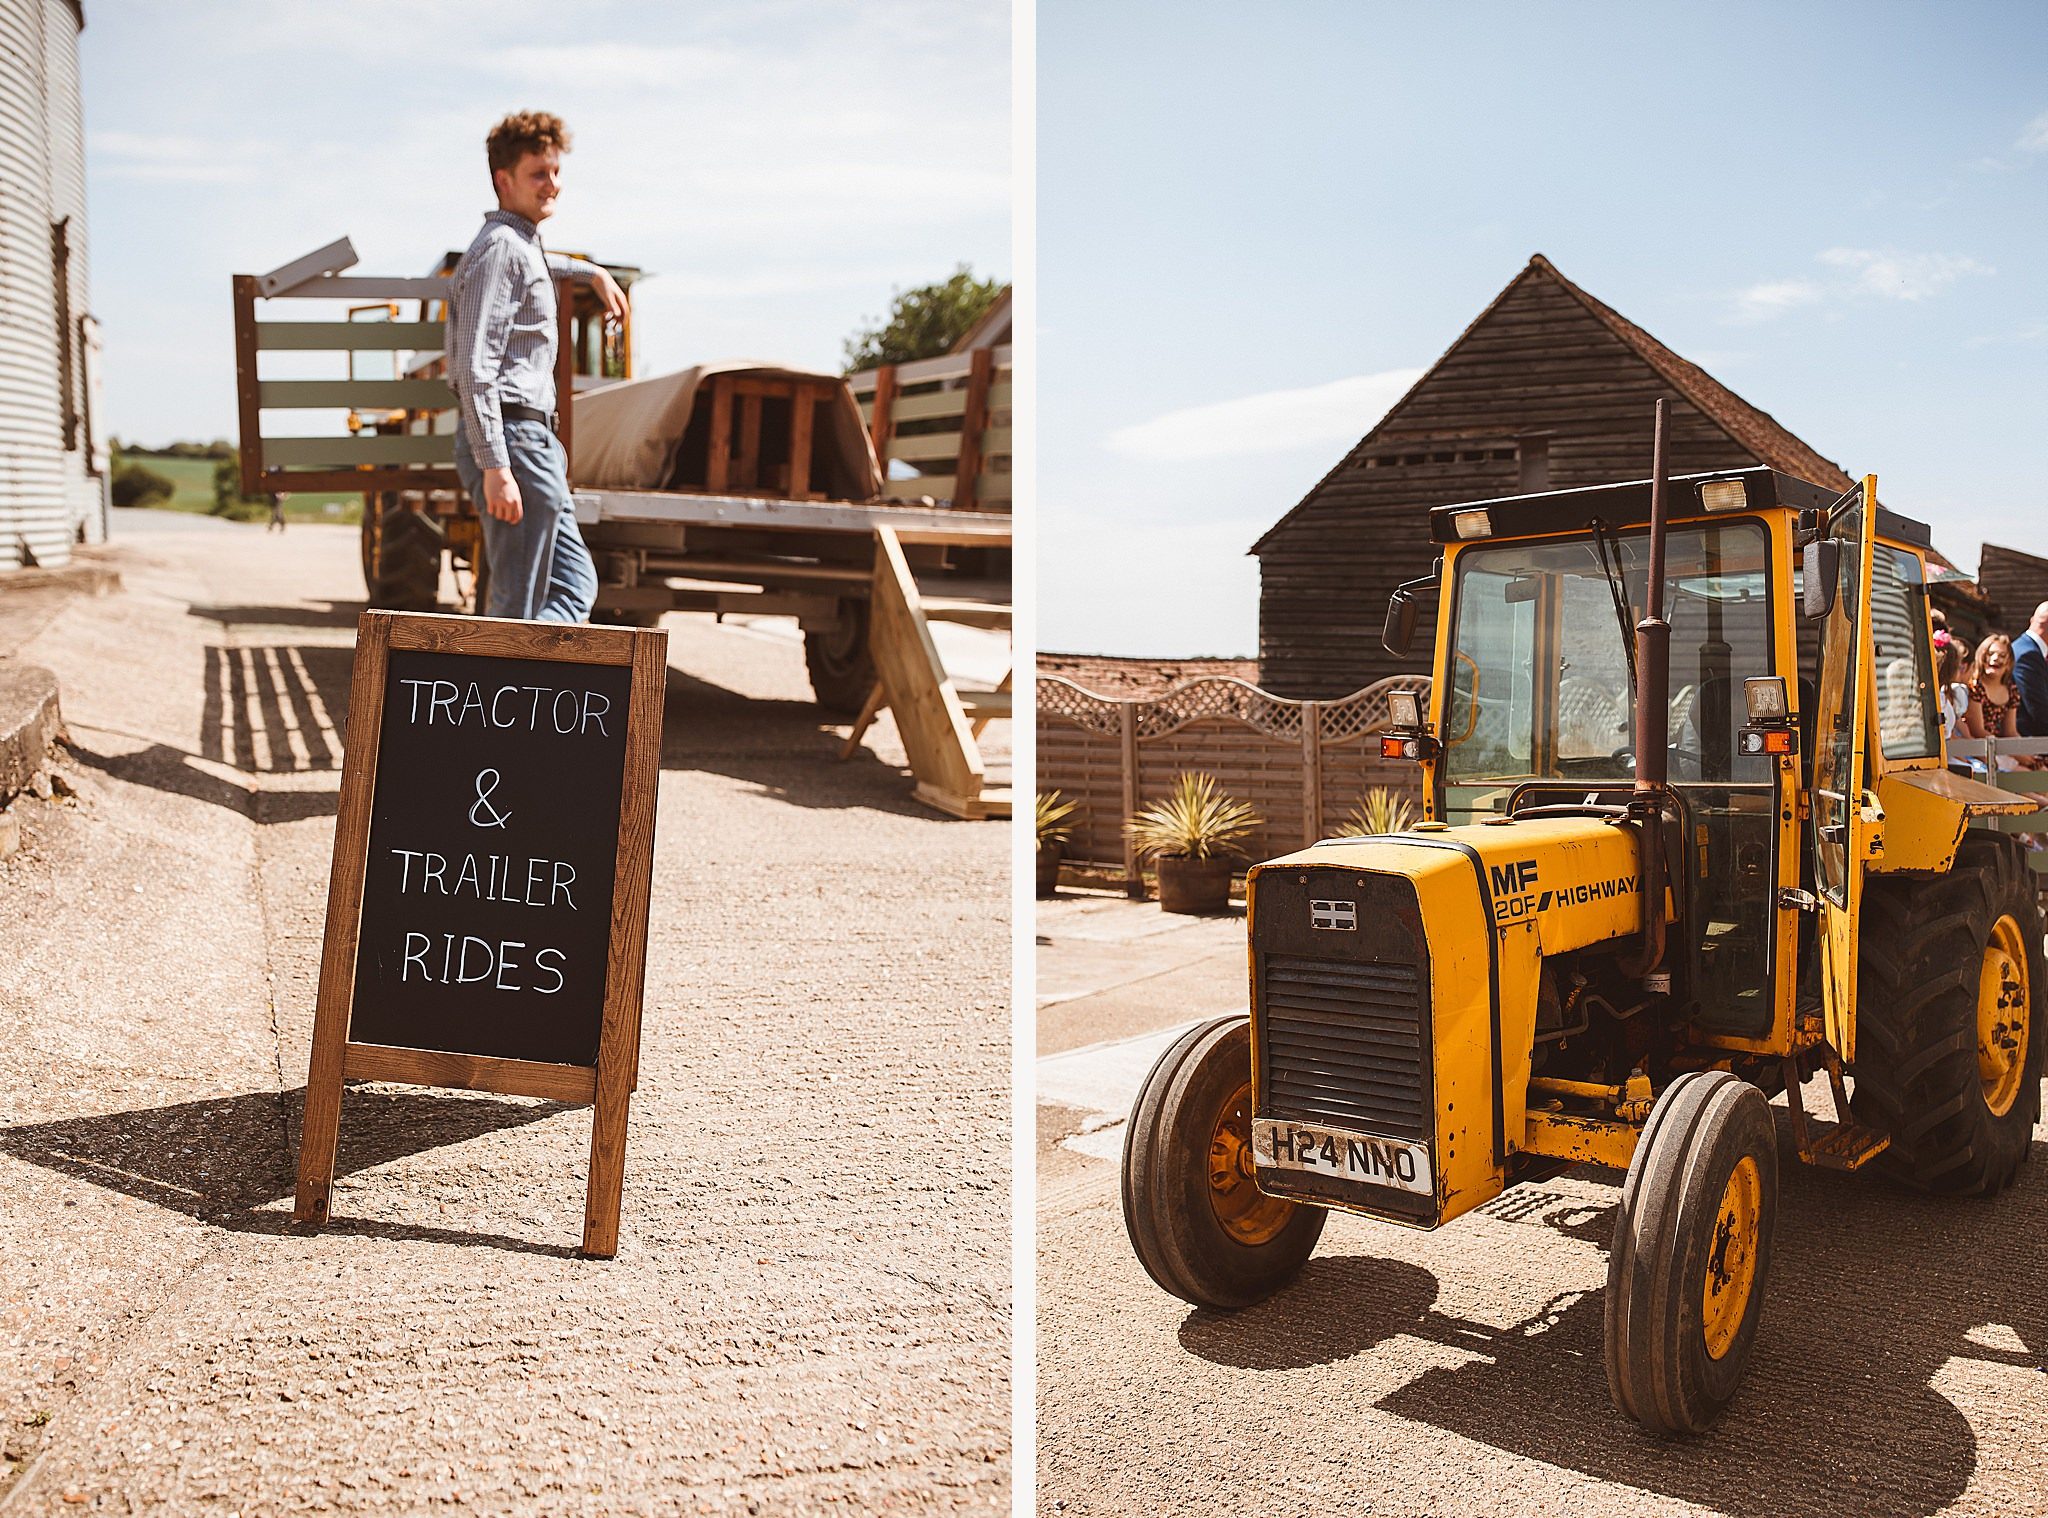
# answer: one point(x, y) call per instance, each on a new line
point(1821, 571)
point(1398, 636)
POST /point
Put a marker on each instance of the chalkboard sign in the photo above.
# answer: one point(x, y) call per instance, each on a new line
point(487, 913)
point(487, 897)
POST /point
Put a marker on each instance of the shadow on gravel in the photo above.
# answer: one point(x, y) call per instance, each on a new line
point(226, 1160)
point(1873, 1291)
point(337, 614)
point(787, 750)
point(164, 768)
point(268, 709)
point(274, 709)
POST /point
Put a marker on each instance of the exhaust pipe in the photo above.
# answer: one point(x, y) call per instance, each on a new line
point(1653, 719)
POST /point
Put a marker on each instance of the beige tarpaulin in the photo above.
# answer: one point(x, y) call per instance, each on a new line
point(628, 436)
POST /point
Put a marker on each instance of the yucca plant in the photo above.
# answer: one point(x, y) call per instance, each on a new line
point(1196, 820)
point(1053, 811)
point(1379, 810)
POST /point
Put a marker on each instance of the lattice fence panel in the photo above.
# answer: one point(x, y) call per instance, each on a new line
point(1249, 739)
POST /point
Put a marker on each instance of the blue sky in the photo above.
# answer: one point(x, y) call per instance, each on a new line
point(781, 165)
point(1257, 224)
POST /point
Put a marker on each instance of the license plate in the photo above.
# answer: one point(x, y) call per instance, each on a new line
point(1281, 1145)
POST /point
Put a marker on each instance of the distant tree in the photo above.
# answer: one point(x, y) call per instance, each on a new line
point(922, 323)
point(139, 485)
point(227, 487)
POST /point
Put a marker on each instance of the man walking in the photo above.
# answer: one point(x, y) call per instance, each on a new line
point(2030, 674)
point(501, 361)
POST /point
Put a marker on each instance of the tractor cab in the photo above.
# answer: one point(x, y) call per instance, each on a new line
point(1789, 709)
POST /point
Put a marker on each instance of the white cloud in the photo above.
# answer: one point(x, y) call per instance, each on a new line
point(1902, 276)
point(1774, 297)
point(1885, 273)
point(609, 64)
point(1341, 411)
point(171, 159)
point(2034, 139)
point(723, 145)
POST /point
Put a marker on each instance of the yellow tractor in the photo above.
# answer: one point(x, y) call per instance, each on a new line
point(1662, 878)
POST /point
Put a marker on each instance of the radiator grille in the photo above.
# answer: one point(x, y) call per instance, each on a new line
point(1346, 1044)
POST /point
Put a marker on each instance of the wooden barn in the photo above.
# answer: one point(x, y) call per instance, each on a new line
point(1549, 388)
point(2015, 582)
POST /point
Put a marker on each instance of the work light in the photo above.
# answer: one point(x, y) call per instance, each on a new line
point(1723, 495)
point(1472, 524)
point(1404, 708)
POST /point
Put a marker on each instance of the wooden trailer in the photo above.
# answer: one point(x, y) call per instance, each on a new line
point(758, 491)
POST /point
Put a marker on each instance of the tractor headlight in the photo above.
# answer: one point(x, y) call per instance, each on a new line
point(1472, 524)
point(1404, 709)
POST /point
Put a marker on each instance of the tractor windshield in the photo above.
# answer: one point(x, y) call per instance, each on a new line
point(1539, 685)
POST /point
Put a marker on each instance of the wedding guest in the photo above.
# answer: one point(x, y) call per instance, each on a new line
point(2030, 674)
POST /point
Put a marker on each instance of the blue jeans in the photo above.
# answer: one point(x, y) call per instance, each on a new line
point(540, 570)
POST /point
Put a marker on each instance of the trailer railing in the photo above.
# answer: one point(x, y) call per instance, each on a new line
point(2018, 779)
point(394, 456)
point(945, 424)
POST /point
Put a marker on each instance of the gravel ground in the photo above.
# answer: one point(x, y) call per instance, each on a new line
point(810, 1306)
point(1901, 1368)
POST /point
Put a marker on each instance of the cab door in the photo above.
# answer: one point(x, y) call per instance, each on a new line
point(1845, 810)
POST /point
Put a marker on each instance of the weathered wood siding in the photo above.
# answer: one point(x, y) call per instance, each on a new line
point(1538, 363)
point(2017, 582)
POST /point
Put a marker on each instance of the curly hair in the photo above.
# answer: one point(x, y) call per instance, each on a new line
point(524, 132)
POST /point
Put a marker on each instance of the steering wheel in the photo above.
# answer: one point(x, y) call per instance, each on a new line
point(1626, 757)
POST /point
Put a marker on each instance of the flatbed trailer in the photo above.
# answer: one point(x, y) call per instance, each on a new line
point(859, 576)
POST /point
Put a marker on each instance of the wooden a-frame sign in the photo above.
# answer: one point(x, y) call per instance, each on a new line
point(493, 852)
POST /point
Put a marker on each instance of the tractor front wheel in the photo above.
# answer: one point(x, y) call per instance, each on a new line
point(1691, 1250)
point(1948, 1020)
point(1197, 1219)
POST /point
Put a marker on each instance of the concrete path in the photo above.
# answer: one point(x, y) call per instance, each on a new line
point(1901, 1370)
point(809, 1310)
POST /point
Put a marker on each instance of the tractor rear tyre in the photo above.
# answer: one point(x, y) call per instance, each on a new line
point(1198, 1221)
point(1948, 1020)
point(407, 573)
point(1691, 1250)
point(841, 670)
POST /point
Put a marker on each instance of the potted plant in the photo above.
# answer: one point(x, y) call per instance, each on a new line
point(1053, 811)
point(1190, 836)
point(1380, 810)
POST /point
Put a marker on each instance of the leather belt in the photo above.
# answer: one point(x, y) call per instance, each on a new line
point(513, 413)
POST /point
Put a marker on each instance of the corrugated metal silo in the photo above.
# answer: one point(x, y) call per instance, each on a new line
point(52, 462)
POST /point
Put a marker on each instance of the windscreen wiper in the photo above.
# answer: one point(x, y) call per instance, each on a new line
point(1603, 535)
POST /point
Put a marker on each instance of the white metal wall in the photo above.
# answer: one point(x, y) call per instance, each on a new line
point(42, 178)
point(85, 464)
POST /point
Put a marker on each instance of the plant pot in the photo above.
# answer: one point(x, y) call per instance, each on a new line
point(1049, 868)
point(1196, 887)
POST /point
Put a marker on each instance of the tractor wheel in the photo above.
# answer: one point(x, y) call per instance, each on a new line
point(1200, 1224)
point(407, 574)
point(837, 659)
point(1948, 1020)
point(1691, 1250)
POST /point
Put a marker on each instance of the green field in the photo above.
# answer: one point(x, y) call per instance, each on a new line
point(194, 479)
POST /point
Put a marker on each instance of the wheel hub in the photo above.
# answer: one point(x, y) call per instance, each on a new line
point(2004, 1007)
point(1247, 1214)
point(1731, 1258)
